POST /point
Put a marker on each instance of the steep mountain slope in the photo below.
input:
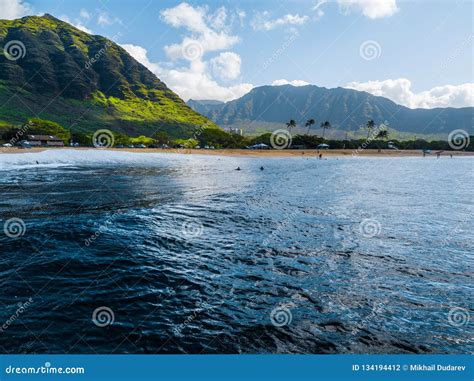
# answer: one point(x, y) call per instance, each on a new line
point(346, 109)
point(52, 70)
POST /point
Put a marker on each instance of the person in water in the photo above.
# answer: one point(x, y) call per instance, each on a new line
point(261, 168)
point(237, 169)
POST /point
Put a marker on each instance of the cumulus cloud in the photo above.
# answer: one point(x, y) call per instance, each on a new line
point(189, 82)
point(141, 55)
point(296, 82)
point(207, 32)
point(372, 9)
point(262, 21)
point(399, 91)
point(13, 9)
point(226, 65)
point(191, 73)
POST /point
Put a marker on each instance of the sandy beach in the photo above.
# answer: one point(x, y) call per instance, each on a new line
point(255, 153)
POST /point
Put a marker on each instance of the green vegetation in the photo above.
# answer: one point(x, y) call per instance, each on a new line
point(85, 83)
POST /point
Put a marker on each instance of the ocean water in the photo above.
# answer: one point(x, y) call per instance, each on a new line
point(115, 252)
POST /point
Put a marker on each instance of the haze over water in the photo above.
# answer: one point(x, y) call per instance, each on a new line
point(356, 255)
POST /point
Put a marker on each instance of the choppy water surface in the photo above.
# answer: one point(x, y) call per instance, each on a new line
point(308, 256)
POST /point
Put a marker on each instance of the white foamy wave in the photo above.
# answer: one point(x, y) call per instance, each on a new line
point(71, 157)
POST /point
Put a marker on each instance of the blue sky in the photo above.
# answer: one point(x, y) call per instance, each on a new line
point(418, 53)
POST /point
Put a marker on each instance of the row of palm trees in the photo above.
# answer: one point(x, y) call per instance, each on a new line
point(370, 125)
point(310, 122)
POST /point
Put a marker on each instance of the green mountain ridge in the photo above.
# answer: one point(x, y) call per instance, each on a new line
point(269, 107)
point(84, 82)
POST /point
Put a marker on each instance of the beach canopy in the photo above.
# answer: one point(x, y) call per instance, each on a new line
point(323, 146)
point(259, 146)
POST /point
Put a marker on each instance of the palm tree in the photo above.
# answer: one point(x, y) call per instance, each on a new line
point(325, 125)
point(291, 124)
point(308, 124)
point(382, 134)
point(370, 126)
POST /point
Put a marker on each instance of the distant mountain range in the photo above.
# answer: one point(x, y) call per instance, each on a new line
point(269, 107)
point(54, 71)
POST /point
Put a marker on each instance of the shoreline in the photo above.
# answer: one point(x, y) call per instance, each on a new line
point(252, 153)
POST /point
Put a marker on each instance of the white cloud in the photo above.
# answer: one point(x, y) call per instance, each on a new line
point(226, 65)
point(372, 9)
point(105, 19)
point(262, 21)
point(77, 23)
point(190, 82)
point(241, 14)
point(317, 9)
point(84, 14)
point(218, 19)
point(399, 91)
point(203, 37)
point(141, 55)
point(189, 74)
point(13, 9)
point(296, 82)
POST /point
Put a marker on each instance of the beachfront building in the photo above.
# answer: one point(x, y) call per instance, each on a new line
point(235, 131)
point(45, 141)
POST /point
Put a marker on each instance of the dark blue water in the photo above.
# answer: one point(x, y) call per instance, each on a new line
point(182, 254)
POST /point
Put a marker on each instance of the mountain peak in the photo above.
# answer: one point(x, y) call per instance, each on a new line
point(346, 109)
point(59, 63)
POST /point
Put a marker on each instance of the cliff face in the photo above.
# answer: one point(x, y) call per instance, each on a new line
point(51, 68)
